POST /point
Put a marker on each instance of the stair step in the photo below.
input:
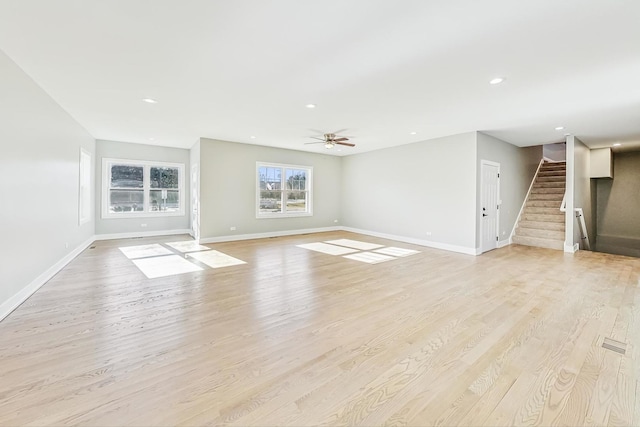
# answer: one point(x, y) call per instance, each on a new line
point(544, 196)
point(545, 225)
point(540, 243)
point(552, 173)
point(551, 179)
point(553, 166)
point(543, 210)
point(549, 184)
point(538, 217)
point(540, 233)
point(543, 204)
point(547, 190)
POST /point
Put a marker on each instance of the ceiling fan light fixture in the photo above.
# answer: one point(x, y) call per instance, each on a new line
point(328, 145)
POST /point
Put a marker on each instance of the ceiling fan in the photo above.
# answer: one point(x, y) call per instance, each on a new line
point(330, 140)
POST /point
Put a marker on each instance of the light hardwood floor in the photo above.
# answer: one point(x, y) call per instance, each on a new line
point(295, 337)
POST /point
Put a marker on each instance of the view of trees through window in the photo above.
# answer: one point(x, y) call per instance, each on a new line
point(283, 190)
point(143, 188)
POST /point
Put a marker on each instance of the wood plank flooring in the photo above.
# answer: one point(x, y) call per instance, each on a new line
point(297, 337)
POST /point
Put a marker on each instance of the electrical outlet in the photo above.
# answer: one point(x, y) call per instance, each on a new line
point(428, 233)
point(232, 228)
point(335, 221)
point(143, 225)
point(66, 245)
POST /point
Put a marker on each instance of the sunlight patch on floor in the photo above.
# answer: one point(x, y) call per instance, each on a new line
point(396, 251)
point(187, 246)
point(215, 259)
point(144, 251)
point(327, 249)
point(355, 244)
point(165, 266)
point(369, 257)
point(353, 248)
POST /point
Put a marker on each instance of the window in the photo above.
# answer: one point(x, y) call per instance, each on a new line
point(84, 193)
point(283, 190)
point(133, 188)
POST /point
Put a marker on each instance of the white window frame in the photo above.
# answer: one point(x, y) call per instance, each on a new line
point(84, 187)
point(147, 165)
point(283, 213)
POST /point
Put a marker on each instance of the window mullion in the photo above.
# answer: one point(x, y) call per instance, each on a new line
point(146, 185)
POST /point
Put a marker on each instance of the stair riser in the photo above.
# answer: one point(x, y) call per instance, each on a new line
point(547, 190)
point(543, 204)
point(541, 243)
point(543, 211)
point(557, 226)
point(542, 218)
point(550, 179)
point(549, 184)
point(552, 173)
point(553, 196)
point(542, 234)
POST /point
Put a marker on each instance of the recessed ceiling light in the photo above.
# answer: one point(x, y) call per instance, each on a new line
point(310, 105)
point(150, 100)
point(413, 133)
point(339, 150)
point(617, 144)
point(252, 137)
point(152, 139)
point(560, 128)
point(496, 81)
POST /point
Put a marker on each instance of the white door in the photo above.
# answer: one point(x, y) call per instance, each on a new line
point(195, 202)
point(489, 199)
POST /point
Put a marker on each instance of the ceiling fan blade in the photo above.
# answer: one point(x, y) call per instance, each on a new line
point(340, 139)
point(348, 144)
point(315, 137)
point(338, 131)
point(319, 142)
point(319, 132)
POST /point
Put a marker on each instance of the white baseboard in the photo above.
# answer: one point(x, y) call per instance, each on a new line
point(571, 248)
point(420, 242)
point(233, 238)
point(503, 243)
point(14, 302)
point(141, 234)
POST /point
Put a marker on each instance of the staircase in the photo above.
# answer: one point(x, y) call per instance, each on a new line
point(541, 223)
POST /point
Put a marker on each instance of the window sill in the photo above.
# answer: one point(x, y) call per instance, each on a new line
point(285, 215)
point(142, 215)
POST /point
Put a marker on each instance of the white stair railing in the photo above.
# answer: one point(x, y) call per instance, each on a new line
point(584, 236)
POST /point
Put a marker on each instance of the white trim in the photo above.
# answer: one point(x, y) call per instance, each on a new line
point(141, 234)
point(420, 242)
point(503, 243)
point(498, 201)
point(83, 220)
point(267, 234)
point(16, 300)
point(146, 189)
point(524, 202)
point(571, 248)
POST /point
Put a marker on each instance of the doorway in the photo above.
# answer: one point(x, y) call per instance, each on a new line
point(489, 204)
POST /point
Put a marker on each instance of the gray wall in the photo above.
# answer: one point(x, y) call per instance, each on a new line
point(582, 189)
point(228, 189)
point(619, 198)
point(39, 167)
point(415, 189)
point(555, 152)
point(128, 151)
point(517, 168)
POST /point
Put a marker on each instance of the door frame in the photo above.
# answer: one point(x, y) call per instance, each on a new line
point(499, 203)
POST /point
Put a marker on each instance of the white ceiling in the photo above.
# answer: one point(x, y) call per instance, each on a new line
point(382, 69)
